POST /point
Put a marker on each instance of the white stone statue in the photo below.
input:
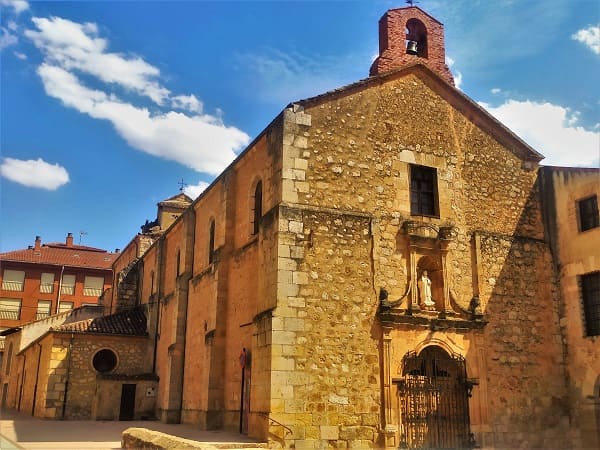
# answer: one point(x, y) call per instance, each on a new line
point(425, 290)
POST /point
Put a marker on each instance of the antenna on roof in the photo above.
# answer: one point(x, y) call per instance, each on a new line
point(411, 2)
point(182, 185)
point(81, 234)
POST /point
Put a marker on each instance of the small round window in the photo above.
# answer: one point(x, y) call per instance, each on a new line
point(105, 360)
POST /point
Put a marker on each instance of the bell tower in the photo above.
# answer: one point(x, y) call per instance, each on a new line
point(408, 36)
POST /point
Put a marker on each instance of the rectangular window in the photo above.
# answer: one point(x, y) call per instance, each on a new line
point(13, 280)
point(590, 296)
point(588, 213)
point(92, 286)
point(43, 309)
point(423, 191)
point(68, 285)
point(10, 308)
point(65, 306)
point(47, 283)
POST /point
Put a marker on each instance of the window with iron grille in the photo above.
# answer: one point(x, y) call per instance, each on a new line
point(590, 297)
point(423, 191)
point(588, 213)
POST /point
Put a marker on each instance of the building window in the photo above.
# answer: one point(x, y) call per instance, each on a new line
point(10, 308)
point(211, 242)
point(178, 263)
point(590, 297)
point(423, 191)
point(43, 309)
point(65, 306)
point(68, 285)
point(152, 282)
point(257, 211)
point(47, 283)
point(13, 280)
point(92, 286)
point(588, 213)
point(105, 360)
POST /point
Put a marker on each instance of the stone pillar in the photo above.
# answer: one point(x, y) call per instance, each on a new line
point(389, 429)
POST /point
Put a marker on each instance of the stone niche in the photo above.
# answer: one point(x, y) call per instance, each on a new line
point(427, 299)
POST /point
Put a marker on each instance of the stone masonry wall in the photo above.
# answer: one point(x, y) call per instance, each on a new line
point(351, 156)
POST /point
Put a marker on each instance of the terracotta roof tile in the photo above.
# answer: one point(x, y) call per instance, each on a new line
point(61, 255)
point(130, 323)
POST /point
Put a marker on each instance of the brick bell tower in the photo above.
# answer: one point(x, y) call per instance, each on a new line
point(408, 36)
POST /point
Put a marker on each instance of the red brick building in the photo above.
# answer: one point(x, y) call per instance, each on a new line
point(45, 279)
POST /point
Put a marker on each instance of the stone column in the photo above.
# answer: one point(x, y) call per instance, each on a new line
point(389, 429)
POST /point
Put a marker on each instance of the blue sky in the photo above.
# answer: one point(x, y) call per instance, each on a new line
point(105, 106)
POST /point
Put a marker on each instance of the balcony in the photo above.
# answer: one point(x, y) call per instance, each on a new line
point(67, 290)
point(10, 314)
point(92, 292)
point(8, 285)
point(46, 288)
point(41, 315)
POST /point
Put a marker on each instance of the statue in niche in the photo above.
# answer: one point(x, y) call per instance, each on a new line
point(425, 290)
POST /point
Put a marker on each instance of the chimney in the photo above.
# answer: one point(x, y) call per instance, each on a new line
point(38, 243)
point(409, 36)
point(69, 241)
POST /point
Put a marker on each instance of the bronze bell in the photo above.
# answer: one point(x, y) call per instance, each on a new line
point(411, 47)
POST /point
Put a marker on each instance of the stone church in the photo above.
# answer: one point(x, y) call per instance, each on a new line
point(385, 266)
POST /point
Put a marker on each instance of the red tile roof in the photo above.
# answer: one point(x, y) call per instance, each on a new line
point(61, 255)
point(129, 323)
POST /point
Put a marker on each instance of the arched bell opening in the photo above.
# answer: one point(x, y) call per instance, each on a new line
point(416, 38)
point(434, 401)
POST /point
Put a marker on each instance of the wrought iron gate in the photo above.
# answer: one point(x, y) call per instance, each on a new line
point(434, 401)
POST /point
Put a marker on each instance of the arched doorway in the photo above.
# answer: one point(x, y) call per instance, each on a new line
point(434, 401)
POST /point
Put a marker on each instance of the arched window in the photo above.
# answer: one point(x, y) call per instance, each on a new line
point(416, 38)
point(211, 242)
point(257, 210)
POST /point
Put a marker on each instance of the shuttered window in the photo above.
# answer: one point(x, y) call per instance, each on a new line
point(590, 297)
point(13, 280)
point(10, 308)
point(47, 283)
point(92, 286)
point(68, 285)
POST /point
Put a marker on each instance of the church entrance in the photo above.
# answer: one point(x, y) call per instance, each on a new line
point(434, 401)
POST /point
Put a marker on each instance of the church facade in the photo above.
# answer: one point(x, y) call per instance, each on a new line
point(380, 268)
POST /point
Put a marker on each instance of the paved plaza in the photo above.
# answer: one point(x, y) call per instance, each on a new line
point(20, 431)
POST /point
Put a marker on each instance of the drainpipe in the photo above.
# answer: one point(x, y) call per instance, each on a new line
point(62, 269)
point(37, 376)
point(64, 405)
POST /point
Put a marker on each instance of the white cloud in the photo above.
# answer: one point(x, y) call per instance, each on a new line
point(198, 140)
point(35, 173)
point(6, 38)
point(551, 130)
point(590, 37)
point(187, 102)
point(21, 56)
point(195, 191)
point(18, 5)
point(201, 142)
point(76, 46)
point(495, 91)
